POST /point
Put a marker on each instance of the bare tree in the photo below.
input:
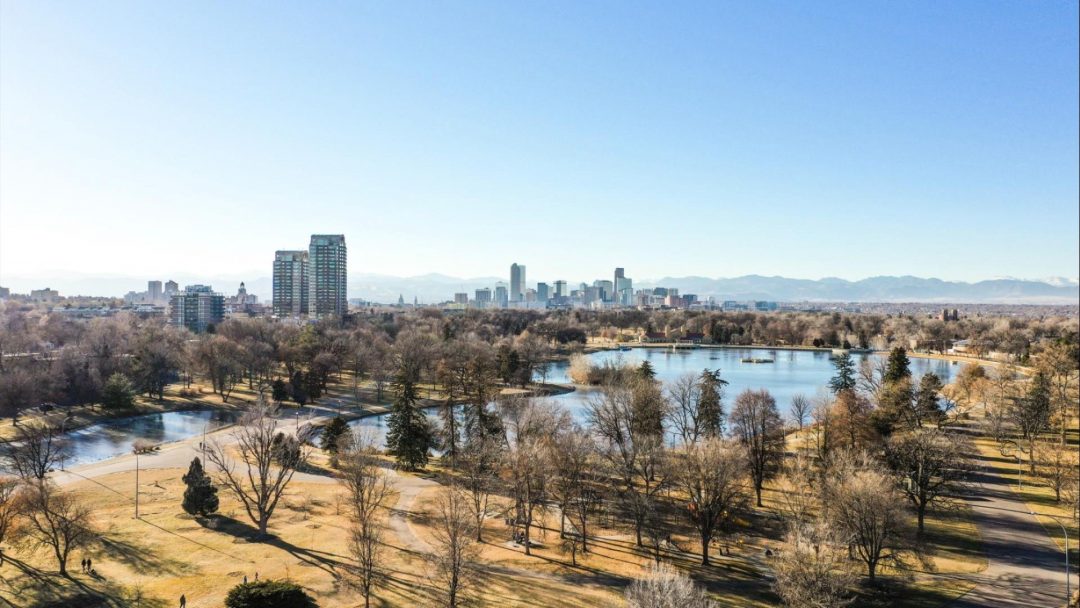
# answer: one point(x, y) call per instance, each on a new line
point(633, 453)
point(530, 431)
point(684, 393)
point(368, 487)
point(712, 475)
point(455, 545)
point(1057, 467)
point(798, 496)
point(10, 506)
point(269, 457)
point(811, 569)
point(574, 484)
point(38, 448)
point(756, 422)
point(865, 508)
point(664, 587)
point(57, 520)
point(800, 410)
point(930, 464)
point(479, 469)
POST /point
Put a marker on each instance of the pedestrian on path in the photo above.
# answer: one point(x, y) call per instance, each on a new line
point(83, 562)
point(183, 601)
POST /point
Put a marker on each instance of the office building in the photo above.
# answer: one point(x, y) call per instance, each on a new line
point(517, 282)
point(501, 298)
point(461, 298)
point(560, 289)
point(542, 292)
point(290, 297)
point(483, 297)
point(327, 260)
point(171, 288)
point(196, 308)
point(153, 291)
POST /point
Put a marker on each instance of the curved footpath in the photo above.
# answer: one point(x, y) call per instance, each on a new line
point(1024, 566)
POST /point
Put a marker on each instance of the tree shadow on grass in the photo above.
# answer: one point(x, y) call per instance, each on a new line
point(140, 559)
point(324, 560)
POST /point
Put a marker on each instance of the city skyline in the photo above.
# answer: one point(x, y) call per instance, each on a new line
point(925, 141)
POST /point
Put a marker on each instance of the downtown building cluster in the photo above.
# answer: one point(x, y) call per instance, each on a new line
point(313, 282)
point(617, 292)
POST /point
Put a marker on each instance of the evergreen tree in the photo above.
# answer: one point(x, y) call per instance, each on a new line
point(927, 404)
point(710, 404)
point(118, 393)
point(844, 380)
point(268, 594)
point(408, 434)
point(646, 371)
point(333, 433)
point(200, 497)
point(279, 390)
point(897, 367)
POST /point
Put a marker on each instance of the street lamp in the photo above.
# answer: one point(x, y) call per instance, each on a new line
point(136, 450)
point(1068, 588)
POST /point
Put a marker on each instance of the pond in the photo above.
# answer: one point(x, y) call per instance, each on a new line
point(116, 437)
point(791, 372)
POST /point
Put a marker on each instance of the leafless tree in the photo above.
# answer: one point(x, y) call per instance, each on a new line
point(634, 455)
point(712, 475)
point(799, 498)
point(57, 520)
point(811, 569)
point(866, 509)
point(665, 587)
point(684, 393)
point(530, 429)
point(269, 461)
point(38, 448)
point(756, 422)
point(1058, 467)
point(368, 487)
point(455, 545)
point(10, 506)
point(478, 466)
point(574, 486)
point(800, 410)
point(930, 464)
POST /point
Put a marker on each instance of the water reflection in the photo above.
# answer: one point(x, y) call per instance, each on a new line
point(116, 437)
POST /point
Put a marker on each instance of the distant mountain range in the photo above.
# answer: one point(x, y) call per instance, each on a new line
point(432, 288)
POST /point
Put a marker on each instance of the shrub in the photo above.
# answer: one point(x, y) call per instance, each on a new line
point(268, 594)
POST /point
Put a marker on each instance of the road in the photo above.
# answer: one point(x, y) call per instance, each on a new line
point(1024, 566)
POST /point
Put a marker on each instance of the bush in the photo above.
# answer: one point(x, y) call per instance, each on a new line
point(268, 594)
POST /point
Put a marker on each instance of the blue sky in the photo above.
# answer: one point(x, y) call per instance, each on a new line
point(801, 139)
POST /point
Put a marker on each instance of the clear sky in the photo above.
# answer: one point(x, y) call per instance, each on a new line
point(803, 139)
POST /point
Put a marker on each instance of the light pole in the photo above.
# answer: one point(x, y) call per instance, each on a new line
point(1068, 587)
point(136, 450)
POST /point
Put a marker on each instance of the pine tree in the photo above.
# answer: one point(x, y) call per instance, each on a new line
point(333, 433)
point(408, 434)
point(927, 404)
point(710, 405)
point(118, 393)
point(897, 368)
point(200, 497)
point(646, 371)
point(844, 380)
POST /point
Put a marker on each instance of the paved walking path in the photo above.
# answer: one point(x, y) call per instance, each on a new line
point(1024, 566)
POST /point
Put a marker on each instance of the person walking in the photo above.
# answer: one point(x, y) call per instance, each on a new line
point(89, 565)
point(183, 601)
point(245, 579)
point(83, 562)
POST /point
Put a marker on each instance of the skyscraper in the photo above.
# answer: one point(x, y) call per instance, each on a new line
point(290, 283)
point(196, 308)
point(327, 258)
point(517, 282)
point(560, 289)
point(153, 291)
point(542, 293)
point(500, 295)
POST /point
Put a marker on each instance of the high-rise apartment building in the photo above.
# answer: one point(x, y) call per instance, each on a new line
point(327, 258)
point(171, 288)
point(517, 282)
point(153, 291)
point(196, 308)
point(290, 283)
